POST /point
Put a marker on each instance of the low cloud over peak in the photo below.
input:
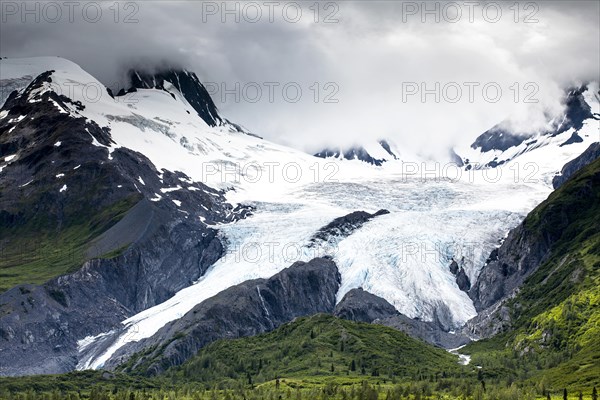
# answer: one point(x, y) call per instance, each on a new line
point(426, 75)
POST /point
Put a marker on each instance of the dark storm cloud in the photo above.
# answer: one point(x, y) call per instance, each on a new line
point(365, 60)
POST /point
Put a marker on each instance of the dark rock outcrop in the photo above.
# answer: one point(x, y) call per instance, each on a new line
point(386, 147)
point(489, 322)
point(576, 111)
point(588, 156)
point(362, 306)
point(454, 267)
point(519, 255)
point(575, 138)
point(497, 138)
point(429, 332)
point(462, 280)
point(187, 83)
point(344, 226)
point(247, 309)
point(359, 305)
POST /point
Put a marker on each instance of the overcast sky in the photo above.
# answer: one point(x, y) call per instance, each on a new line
point(373, 58)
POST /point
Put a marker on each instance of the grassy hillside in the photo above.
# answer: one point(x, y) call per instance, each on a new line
point(319, 346)
point(320, 356)
point(38, 250)
point(556, 314)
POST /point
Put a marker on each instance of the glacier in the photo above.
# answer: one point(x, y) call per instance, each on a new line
point(403, 256)
point(438, 212)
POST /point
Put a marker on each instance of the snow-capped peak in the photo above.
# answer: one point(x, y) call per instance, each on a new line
point(188, 85)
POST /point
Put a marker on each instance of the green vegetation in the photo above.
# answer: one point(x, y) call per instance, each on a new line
point(116, 253)
point(115, 388)
point(74, 382)
point(35, 252)
point(318, 357)
point(320, 345)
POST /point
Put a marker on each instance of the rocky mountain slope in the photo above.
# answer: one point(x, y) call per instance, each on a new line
point(253, 307)
point(587, 157)
point(74, 207)
point(362, 306)
point(186, 83)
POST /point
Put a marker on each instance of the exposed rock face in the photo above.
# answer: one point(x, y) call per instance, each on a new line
point(500, 144)
point(429, 332)
point(158, 247)
point(462, 280)
point(187, 83)
point(519, 255)
point(386, 147)
point(362, 306)
point(45, 322)
point(454, 267)
point(247, 309)
point(588, 156)
point(344, 226)
point(489, 322)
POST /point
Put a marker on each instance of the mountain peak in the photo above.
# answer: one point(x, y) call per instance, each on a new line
point(187, 83)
